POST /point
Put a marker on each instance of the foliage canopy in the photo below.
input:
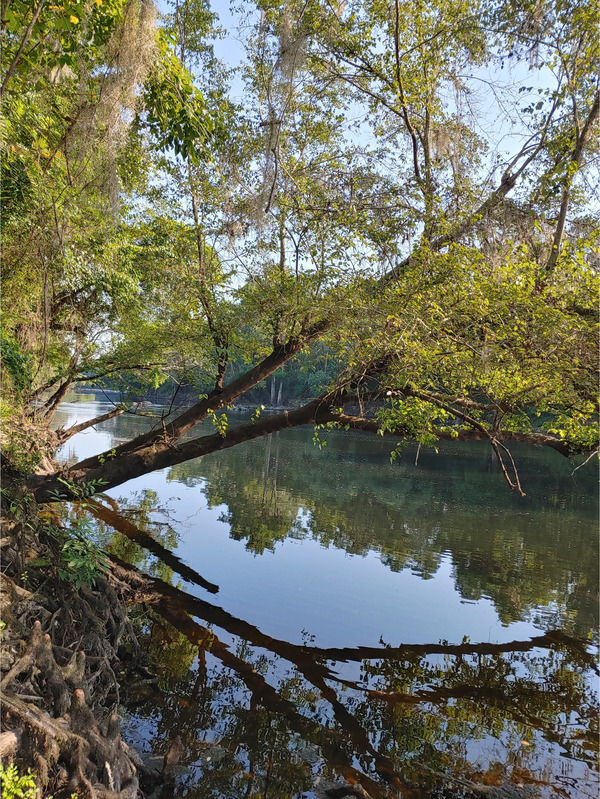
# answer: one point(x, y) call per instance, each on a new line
point(397, 194)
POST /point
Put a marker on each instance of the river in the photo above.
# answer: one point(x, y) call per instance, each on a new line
point(405, 627)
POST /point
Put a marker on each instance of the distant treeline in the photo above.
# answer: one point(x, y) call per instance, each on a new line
point(297, 381)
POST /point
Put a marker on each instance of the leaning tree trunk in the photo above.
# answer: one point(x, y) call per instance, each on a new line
point(90, 474)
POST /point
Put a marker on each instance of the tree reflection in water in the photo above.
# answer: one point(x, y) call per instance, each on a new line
point(262, 717)
point(533, 556)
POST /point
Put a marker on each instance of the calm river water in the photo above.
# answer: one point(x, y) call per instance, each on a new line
point(380, 627)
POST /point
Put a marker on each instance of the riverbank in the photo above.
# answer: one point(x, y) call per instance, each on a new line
point(66, 649)
point(233, 682)
point(66, 653)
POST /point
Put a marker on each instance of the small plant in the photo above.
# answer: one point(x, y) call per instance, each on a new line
point(16, 786)
point(16, 364)
point(220, 422)
point(79, 492)
point(18, 507)
point(110, 454)
point(21, 449)
point(328, 426)
point(81, 559)
point(317, 440)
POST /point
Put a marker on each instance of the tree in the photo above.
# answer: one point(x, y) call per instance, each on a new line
point(76, 76)
point(353, 201)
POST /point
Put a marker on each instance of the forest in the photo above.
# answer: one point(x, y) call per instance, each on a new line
point(380, 201)
point(374, 215)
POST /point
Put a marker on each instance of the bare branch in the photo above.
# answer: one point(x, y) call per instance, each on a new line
point(65, 435)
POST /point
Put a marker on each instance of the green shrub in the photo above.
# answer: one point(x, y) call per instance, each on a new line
point(15, 786)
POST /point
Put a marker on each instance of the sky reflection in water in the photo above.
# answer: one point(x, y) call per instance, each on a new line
point(341, 548)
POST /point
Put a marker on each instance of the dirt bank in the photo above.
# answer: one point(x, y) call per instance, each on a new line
point(65, 649)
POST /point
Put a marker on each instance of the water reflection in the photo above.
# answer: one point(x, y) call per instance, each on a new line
point(260, 716)
point(534, 557)
point(264, 710)
point(263, 717)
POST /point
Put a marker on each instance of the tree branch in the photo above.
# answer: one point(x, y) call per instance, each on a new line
point(15, 62)
point(534, 438)
point(113, 468)
point(405, 114)
point(219, 398)
point(90, 378)
point(566, 193)
point(65, 434)
point(51, 406)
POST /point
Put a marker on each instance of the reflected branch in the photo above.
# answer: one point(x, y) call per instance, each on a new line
point(265, 694)
point(144, 539)
point(513, 706)
point(550, 640)
point(526, 702)
point(305, 657)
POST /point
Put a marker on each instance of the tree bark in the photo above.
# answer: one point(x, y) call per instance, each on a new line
point(120, 468)
point(64, 435)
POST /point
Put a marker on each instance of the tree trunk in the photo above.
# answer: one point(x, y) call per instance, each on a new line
point(175, 429)
point(121, 468)
point(125, 463)
point(55, 400)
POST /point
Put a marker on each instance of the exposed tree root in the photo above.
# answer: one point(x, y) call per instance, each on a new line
point(59, 660)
